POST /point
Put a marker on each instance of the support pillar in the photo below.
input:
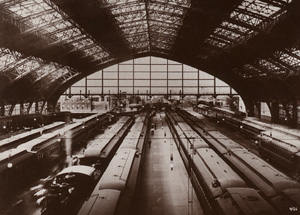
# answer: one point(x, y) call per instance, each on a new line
point(215, 87)
point(258, 107)
point(50, 108)
point(42, 107)
point(274, 107)
point(102, 83)
point(291, 109)
point(288, 114)
point(167, 79)
point(2, 109)
point(29, 107)
point(295, 114)
point(11, 109)
point(22, 111)
point(249, 107)
point(85, 88)
point(36, 107)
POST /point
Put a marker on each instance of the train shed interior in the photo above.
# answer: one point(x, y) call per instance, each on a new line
point(149, 107)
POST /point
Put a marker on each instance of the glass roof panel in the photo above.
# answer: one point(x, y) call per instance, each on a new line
point(234, 27)
point(166, 20)
point(227, 33)
point(30, 64)
point(254, 71)
point(165, 17)
point(248, 19)
point(213, 42)
point(14, 65)
point(130, 8)
point(133, 24)
point(117, 2)
point(181, 3)
point(174, 11)
point(46, 69)
point(45, 18)
point(290, 57)
point(8, 58)
point(131, 18)
point(144, 18)
point(268, 65)
point(51, 71)
point(259, 7)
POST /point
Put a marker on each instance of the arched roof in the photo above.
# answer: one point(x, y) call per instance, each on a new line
point(47, 45)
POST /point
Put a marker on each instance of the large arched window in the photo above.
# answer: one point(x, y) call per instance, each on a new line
point(147, 76)
point(150, 76)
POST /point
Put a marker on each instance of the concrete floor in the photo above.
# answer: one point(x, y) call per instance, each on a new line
point(165, 191)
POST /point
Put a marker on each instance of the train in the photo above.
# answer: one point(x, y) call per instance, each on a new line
point(30, 121)
point(276, 193)
point(116, 189)
point(215, 182)
point(64, 193)
point(103, 146)
point(285, 153)
point(26, 159)
point(14, 141)
point(98, 152)
point(231, 118)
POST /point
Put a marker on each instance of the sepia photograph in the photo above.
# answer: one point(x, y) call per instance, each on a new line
point(149, 107)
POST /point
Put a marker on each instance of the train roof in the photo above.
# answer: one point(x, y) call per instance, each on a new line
point(117, 172)
point(270, 175)
point(17, 137)
point(215, 170)
point(81, 169)
point(103, 203)
point(221, 142)
point(247, 201)
point(101, 141)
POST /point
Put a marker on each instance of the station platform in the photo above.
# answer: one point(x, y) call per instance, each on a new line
point(165, 190)
point(277, 130)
